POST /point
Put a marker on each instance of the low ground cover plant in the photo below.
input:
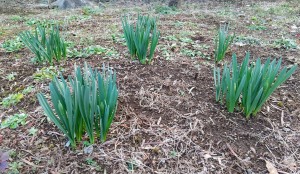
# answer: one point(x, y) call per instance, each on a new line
point(284, 43)
point(249, 86)
point(142, 38)
point(45, 73)
point(92, 50)
point(11, 76)
point(257, 27)
point(14, 121)
point(222, 43)
point(165, 10)
point(12, 45)
point(247, 40)
point(85, 103)
point(46, 47)
point(12, 99)
point(15, 98)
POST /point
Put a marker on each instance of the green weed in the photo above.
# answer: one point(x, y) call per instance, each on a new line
point(284, 43)
point(88, 11)
point(43, 22)
point(171, 38)
point(11, 76)
point(14, 167)
point(11, 99)
point(14, 121)
point(46, 73)
point(28, 90)
point(92, 50)
point(13, 45)
point(164, 10)
point(17, 18)
point(257, 27)
point(247, 40)
point(32, 131)
point(94, 164)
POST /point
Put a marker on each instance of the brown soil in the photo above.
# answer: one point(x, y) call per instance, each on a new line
point(168, 120)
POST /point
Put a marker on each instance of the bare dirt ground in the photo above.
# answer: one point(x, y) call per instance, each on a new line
point(15, 6)
point(168, 120)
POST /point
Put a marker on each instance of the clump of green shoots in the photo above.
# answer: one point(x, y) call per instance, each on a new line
point(252, 85)
point(141, 36)
point(46, 47)
point(223, 41)
point(88, 104)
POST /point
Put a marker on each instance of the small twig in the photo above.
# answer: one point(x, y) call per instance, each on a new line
point(159, 120)
point(31, 164)
point(27, 151)
point(32, 139)
point(282, 121)
point(232, 151)
point(276, 107)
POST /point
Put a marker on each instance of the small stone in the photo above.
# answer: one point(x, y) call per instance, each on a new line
point(294, 27)
point(88, 150)
point(241, 15)
point(286, 129)
point(248, 171)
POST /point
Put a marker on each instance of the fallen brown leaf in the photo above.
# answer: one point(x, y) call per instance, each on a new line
point(271, 168)
point(290, 163)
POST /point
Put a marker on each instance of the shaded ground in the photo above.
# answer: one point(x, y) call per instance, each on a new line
point(167, 119)
point(14, 6)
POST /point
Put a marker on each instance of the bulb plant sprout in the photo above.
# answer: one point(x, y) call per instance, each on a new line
point(46, 48)
point(87, 106)
point(142, 38)
point(231, 85)
point(223, 41)
point(252, 84)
